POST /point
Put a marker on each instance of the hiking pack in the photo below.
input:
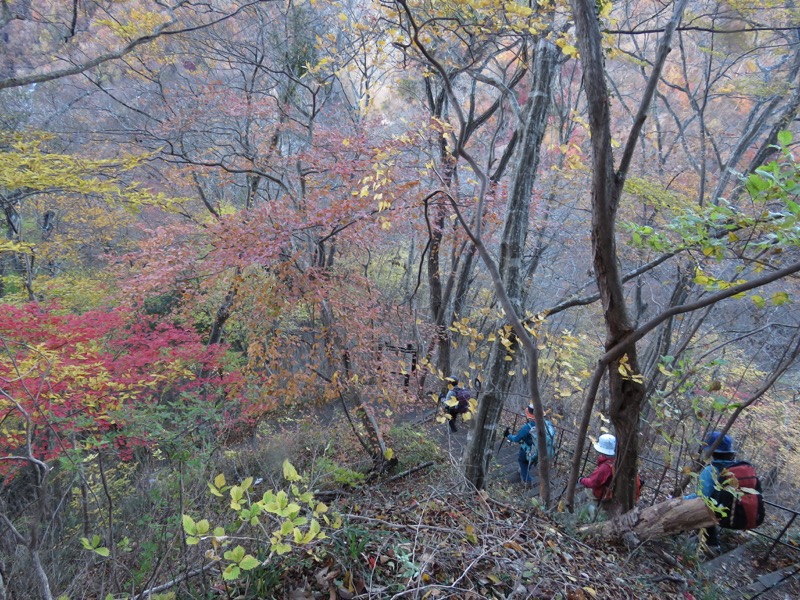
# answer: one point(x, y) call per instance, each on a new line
point(463, 395)
point(746, 511)
point(530, 445)
point(606, 492)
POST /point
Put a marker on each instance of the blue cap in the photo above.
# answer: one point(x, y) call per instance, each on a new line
point(724, 447)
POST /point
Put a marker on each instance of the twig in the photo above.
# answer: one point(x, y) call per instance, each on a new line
point(409, 471)
point(179, 579)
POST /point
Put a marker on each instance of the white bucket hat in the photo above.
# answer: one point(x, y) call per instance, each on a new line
point(607, 444)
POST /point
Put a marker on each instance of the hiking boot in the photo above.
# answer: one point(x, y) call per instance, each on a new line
point(712, 551)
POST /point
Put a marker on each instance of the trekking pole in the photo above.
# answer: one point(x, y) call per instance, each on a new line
point(506, 433)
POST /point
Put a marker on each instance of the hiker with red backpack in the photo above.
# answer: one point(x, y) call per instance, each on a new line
point(455, 401)
point(600, 482)
point(732, 486)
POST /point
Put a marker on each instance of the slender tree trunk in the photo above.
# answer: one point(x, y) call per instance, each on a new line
point(480, 443)
point(626, 390)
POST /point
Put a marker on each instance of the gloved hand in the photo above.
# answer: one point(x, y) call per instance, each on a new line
point(506, 432)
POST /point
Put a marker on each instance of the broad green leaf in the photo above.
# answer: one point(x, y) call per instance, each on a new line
point(192, 540)
point(237, 493)
point(287, 527)
point(312, 532)
point(289, 472)
point(758, 301)
point(235, 555)
point(231, 572)
point(203, 527)
point(780, 298)
point(249, 562)
point(189, 525)
point(103, 551)
point(281, 548)
point(247, 483)
point(219, 480)
point(298, 535)
point(214, 490)
point(785, 138)
point(291, 510)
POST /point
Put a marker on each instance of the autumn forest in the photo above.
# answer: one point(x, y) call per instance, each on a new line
point(246, 242)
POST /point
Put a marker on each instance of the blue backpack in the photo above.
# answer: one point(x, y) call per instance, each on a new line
point(531, 449)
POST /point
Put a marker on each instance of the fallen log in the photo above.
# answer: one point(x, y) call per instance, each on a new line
point(653, 522)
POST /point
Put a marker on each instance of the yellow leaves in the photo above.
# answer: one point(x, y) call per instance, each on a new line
point(140, 23)
point(627, 372)
point(472, 538)
point(566, 46)
point(604, 7)
point(19, 247)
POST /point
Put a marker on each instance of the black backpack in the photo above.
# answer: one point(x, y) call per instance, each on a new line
point(746, 511)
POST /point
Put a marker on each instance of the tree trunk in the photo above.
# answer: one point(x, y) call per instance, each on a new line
point(627, 392)
point(654, 522)
point(480, 442)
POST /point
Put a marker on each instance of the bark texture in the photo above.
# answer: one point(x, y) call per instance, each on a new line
point(654, 522)
point(626, 392)
point(480, 443)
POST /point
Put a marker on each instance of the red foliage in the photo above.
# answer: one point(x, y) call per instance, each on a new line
point(68, 378)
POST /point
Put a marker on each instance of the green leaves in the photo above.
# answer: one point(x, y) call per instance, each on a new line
point(195, 531)
point(288, 512)
point(289, 472)
point(94, 546)
point(239, 562)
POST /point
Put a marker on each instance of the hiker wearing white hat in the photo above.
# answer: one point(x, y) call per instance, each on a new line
point(607, 444)
point(598, 482)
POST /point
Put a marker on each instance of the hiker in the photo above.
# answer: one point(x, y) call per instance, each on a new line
point(458, 394)
point(527, 439)
point(745, 513)
point(599, 482)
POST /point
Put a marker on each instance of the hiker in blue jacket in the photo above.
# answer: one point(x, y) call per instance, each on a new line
point(527, 439)
point(722, 458)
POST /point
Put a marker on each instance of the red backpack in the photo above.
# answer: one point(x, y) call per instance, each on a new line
point(605, 492)
point(746, 512)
